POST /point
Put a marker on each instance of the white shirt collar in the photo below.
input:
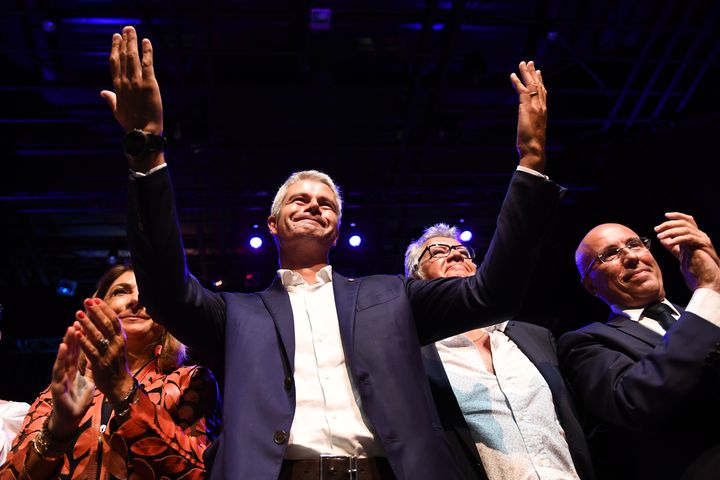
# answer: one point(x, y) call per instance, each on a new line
point(461, 340)
point(635, 314)
point(290, 278)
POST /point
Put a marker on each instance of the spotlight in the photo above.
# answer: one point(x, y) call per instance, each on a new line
point(66, 287)
point(49, 26)
point(256, 242)
point(218, 283)
point(466, 236)
point(355, 241)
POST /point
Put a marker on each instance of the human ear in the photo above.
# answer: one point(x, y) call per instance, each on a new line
point(272, 225)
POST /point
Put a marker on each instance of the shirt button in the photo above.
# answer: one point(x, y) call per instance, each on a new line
point(288, 383)
point(280, 437)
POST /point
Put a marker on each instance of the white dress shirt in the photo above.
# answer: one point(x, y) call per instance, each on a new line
point(511, 414)
point(11, 418)
point(328, 419)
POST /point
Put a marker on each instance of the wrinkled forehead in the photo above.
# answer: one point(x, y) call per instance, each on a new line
point(126, 278)
point(311, 186)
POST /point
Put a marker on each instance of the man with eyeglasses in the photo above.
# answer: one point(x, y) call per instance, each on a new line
point(647, 379)
point(505, 408)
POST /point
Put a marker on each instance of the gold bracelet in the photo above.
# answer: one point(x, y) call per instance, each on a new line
point(43, 451)
point(49, 446)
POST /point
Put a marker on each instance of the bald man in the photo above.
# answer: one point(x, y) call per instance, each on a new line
point(647, 379)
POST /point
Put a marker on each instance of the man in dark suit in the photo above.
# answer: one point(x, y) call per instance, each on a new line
point(319, 364)
point(647, 379)
point(503, 403)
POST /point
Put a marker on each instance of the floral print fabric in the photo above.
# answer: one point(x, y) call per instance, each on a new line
point(174, 419)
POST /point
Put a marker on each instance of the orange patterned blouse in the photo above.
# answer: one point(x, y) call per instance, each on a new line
point(173, 421)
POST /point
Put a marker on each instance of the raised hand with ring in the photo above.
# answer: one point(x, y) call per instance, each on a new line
point(107, 356)
point(103, 346)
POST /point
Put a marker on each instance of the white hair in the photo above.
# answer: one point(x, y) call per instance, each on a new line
point(414, 250)
point(305, 175)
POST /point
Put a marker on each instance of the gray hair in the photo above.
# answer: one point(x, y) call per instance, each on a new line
point(305, 175)
point(414, 250)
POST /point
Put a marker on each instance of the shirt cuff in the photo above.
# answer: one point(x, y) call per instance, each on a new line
point(705, 303)
point(532, 172)
point(149, 172)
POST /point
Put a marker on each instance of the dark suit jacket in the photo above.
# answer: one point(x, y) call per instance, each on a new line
point(383, 320)
point(538, 344)
point(650, 402)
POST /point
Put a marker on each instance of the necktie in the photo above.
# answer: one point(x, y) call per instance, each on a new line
point(662, 313)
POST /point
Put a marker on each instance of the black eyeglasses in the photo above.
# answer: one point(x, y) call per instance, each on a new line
point(612, 253)
point(442, 250)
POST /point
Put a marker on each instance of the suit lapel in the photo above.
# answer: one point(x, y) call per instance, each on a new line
point(525, 342)
point(634, 329)
point(277, 302)
point(445, 400)
point(345, 291)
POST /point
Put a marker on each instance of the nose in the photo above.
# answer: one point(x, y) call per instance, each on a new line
point(134, 304)
point(313, 205)
point(455, 256)
point(629, 257)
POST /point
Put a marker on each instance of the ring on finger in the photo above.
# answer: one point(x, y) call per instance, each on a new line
point(532, 94)
point(103, 347)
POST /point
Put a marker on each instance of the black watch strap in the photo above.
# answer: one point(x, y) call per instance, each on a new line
point(138, 143)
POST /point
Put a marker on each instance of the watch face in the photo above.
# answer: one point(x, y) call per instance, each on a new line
point(135, 143)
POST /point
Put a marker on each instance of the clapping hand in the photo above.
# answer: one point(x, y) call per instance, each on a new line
point(102, 339)
point(699, 262)
point(72, 392)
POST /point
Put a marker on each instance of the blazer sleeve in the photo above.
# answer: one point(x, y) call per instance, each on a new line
point(171, 294)
point(626, 383)
point(447, 306)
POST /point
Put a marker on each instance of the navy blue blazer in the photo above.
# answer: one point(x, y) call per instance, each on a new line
point(538, 345)
point(383, 321)
point(649, 403)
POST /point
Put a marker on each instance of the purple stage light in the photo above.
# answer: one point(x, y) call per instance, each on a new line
point(320, 18)
point(49, 26)
point(466, 236)
point(101, 21)
point(355, 241)
point(256, 242)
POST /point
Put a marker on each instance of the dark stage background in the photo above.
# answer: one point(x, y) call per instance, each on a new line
point(407, 104)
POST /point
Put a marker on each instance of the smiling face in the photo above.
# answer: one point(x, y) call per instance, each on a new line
point(122, 297)
point(454, 265)
point(631, 280)
point(309, 210)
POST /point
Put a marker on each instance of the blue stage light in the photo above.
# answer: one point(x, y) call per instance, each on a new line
point(66, 287)
point(355, 241)
point(256, 242)
point(466, 236)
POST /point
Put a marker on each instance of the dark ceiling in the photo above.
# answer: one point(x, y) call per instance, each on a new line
point(407, 104)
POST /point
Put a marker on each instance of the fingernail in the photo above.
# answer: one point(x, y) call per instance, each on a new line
point(80, 314)
point(97, 301)
point(88, 302)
